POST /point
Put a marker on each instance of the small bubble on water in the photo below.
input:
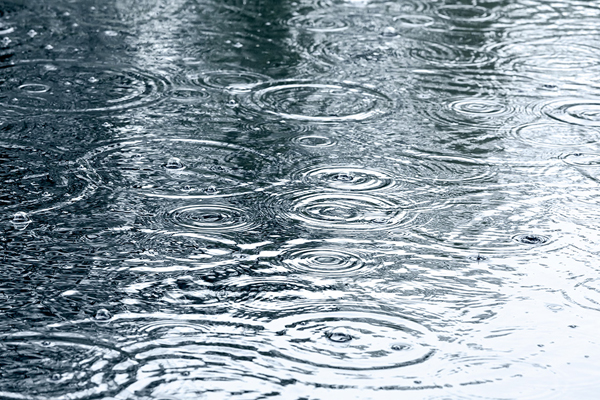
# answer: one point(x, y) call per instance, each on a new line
point(102, 315)
point(400, 346)
point(20, 218)
point(339, 335)
point(174, 163)
point(389, 31)
point(211, 190)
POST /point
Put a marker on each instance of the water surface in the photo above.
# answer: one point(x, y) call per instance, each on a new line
point(299, 199)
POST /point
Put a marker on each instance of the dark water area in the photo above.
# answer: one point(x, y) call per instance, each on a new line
point(308, 199)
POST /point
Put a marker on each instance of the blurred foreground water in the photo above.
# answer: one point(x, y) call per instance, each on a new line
point(275, 199)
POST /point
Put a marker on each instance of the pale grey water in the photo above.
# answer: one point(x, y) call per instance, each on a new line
point(299, 199)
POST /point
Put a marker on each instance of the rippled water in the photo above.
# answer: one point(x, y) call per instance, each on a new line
point(250, 199)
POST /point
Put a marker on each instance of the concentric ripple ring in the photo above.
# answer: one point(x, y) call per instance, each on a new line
point(352, 340)
point(318, 102)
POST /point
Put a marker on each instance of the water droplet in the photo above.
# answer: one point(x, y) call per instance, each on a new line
point(400, 346)
point(20, 218)
point(103, 315)
point(174, 163)
point(339, 335)
point(389, 31)
point(343, 177)
point(531, 239)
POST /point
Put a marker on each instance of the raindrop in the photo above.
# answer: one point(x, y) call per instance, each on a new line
point(531, 239)
point(103, 315)
point(174, 163)
point(389, 31)
point(339, 335)
point(21, 218)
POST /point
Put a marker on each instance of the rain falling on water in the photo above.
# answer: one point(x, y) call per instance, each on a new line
point(251, 199)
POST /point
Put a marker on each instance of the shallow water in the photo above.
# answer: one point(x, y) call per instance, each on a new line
point(258, 199)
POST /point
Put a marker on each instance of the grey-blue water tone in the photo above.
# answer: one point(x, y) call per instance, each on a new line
point(299, 199)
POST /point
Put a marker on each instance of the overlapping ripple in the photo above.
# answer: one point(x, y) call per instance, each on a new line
point(585, 293)
point(70, 86)
point(352, 340)
point(61, 366)
point(180, 168)
point(430, 53)
point(574, 111)
point(500, 231)
point(40, 179)
point(318, 102)
point(546, 58)
point(555, 134)
point(427, 167)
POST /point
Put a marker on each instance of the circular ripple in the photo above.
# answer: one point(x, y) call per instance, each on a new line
point(316, 141)
point(207, 168)
point(450, 55)
point(53, 367)
point(459, 13)
point(328, 261)
point(414, 21)
point(553, 134)
point(582, 159)
point(345, 211)
point(211, 218)
point(471, 112)
point(232, 81)
point(335, 257)
point(549, 57)
point(38, 180)
point(318, 102)
point(352, 340)
point(322, 21)
point(71, 86)
point(574, 111)
point(347, 178)
point(422, 167)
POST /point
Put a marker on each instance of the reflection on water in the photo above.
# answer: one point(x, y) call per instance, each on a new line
point(299, 200)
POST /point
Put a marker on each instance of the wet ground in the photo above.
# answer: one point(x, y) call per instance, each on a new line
point(299, 199)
